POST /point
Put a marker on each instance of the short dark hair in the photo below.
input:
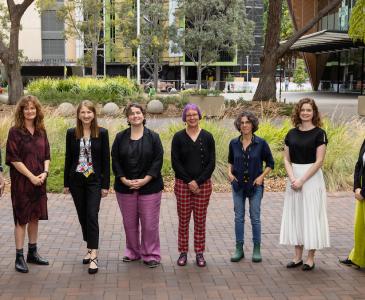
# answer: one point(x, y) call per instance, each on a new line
point(128, 111)
point(250, 116)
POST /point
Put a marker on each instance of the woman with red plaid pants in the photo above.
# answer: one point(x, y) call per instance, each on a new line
point(193, 161)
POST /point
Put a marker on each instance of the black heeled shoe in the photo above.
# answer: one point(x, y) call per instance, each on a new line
point(20, 264)
point(86, 261)
point(95, 261)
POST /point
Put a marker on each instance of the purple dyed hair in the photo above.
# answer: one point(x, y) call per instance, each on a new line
point(191, 106)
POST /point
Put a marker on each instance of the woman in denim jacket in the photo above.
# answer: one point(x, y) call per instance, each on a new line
point(246, 174)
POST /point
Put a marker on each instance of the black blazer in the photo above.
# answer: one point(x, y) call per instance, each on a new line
point(100, 155)
point(150, 163)
point(359, 173)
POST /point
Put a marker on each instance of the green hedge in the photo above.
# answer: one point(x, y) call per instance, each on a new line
point(73, 89)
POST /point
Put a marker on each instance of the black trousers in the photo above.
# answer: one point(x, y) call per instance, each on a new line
point(86, 193)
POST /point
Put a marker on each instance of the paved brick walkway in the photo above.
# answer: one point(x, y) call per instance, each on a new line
point(67, 278)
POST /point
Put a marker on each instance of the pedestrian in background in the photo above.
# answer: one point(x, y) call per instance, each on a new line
point(28, 156)
point(193, 161)
point(247, 154)
point(87, 175)
point(304, 221)
point(137, 157)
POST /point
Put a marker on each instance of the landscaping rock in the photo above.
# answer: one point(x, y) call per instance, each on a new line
point(66, 109)
point(155, 107)
point(4, 98)
point(110, 109)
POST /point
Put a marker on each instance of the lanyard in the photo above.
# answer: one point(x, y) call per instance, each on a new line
point(86, 152)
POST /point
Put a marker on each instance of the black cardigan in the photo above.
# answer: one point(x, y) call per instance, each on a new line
point(203, 149)
point(100, 155)
point(359, 173)
point(150, 163)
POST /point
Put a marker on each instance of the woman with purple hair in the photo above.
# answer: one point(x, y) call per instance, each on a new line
point(193, 161)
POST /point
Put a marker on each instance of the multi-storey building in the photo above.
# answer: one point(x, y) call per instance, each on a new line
point(45, 52)
point(334, 61)
point(176, 66)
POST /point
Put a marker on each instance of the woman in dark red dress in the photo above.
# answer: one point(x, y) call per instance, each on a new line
point(28, 156)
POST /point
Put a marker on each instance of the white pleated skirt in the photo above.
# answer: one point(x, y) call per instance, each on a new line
point(304, 221)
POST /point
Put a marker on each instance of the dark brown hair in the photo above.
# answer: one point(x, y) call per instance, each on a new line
point(94, 123)
point(251, 117)
point(128, 111)
point(19, 120)
point(296, 113)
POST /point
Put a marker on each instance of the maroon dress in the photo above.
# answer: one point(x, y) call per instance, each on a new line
point(29, 201)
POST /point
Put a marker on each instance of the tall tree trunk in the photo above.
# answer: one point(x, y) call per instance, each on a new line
point(155, 71)
point(15, 83)
point(266, 89)
point(9, 55)
point(94, 62)
point(274, 51)
point(199, 76)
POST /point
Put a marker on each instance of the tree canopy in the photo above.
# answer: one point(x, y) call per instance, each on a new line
point(357, 22)
point(206, 29)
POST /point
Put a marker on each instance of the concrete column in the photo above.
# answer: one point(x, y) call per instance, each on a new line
point(128, 72)
point(182, 74)
point(217, 73)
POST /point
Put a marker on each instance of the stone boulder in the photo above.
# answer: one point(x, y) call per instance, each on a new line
point(155, 107)
point(110, 109)
point(66, 109)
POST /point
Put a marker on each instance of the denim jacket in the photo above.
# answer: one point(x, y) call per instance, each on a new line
point(258, 152)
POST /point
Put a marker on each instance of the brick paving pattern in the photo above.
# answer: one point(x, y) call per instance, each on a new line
point(66, 277)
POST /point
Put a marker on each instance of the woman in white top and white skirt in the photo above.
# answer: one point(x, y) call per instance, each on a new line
point(304, 222)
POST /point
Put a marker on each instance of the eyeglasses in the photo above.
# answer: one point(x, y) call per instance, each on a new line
point(192, 115)
point(245, 122)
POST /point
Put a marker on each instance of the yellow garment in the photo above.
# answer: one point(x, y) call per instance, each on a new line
point(357, 255)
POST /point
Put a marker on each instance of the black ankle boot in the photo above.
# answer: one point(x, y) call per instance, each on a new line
point(20, 264)
point(33, 257)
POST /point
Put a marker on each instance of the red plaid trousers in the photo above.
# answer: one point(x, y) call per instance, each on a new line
point(188, 202)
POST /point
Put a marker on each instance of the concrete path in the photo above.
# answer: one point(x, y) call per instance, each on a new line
point(67, 278)
point(336, 106)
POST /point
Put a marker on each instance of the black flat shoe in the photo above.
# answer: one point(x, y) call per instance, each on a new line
point(95, 261)
point(127, 259)
point(307, 267)
point(293, 264)
point(346, 262)
point(151, 263)
point(86, 261)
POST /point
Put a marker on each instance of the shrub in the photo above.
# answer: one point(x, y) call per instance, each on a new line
point(342, 150)
point(74, 89)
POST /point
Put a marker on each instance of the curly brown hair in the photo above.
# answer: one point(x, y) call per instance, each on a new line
point(19, 120)
point(295, 118)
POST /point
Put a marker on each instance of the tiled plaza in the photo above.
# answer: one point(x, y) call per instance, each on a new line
point(66, 277)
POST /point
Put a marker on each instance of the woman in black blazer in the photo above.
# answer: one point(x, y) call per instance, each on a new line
point(357, 255)
point(137, 157)
point(87, 175)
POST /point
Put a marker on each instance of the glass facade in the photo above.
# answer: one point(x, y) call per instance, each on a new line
point(344, 72)
point(338, 20)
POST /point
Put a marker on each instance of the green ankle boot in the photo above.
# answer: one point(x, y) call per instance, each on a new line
point(238, 254)
point(256, 255)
